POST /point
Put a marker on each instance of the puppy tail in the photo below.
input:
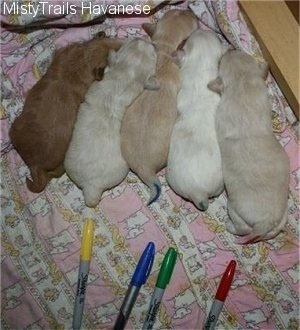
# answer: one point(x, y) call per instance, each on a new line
point(39, 180)
point(155, 187)
point(263, 231)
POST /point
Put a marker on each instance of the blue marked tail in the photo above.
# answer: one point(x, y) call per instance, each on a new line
point(155, 191)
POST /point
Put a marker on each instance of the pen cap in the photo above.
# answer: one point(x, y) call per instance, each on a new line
point(166, 269)
point(144, 266)
point(226, 281)
point(87, 240)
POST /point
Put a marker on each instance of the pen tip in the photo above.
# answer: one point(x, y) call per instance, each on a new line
point(150, 248)
point(144, 265)
point(232, 264)
point(151, 244)
point(226, 281)
point(89, 224)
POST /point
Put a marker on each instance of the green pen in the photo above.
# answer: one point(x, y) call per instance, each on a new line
point(163, 280)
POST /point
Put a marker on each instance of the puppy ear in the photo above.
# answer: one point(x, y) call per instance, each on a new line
point(98, 73)
point(226, 48)
point(216, 85)
point(178, 57)
point(264, 69)
point(149, 28)
point(181, 45)
point(112, 56)
point(152, 83)
point(101, 35)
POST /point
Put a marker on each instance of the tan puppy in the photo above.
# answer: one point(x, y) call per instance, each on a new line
point(255, 166)
point(148, 122)
point(41, 134)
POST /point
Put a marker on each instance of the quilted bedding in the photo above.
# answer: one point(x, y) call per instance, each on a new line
point(41, 233)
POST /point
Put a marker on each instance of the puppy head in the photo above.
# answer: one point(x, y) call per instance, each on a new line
point(174, 27)
point(235, 64)
point(202, 45)
point(97, 51)
point(133, 52)
point(137, 57)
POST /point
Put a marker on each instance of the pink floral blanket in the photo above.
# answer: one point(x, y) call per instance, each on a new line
point(41, 233)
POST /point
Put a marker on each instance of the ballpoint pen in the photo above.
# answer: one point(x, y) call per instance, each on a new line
point(85, 257)
point(163, 279)
point(139, 278)
point(220, 296)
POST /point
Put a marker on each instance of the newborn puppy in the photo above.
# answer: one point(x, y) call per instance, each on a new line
point(255, 166)
point(93, 160)
point(41, 134)
point(148, 122)
point(194, 168)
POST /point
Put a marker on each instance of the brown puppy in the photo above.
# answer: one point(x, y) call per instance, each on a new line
point(41, 134)
point(148, 122)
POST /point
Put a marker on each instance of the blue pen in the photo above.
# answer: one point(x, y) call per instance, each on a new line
point(139, 278)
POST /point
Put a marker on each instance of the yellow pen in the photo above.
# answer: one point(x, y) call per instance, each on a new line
point(83, 273)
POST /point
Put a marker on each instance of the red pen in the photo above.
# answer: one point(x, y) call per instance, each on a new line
point(220, 297)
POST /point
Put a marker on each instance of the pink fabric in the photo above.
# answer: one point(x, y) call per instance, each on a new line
point(41, 233)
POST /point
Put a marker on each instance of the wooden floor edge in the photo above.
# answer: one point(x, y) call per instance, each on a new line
point(257, 15)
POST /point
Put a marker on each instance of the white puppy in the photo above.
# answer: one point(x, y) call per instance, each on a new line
point(255, 166)
point(93, 160)
point(194, 168)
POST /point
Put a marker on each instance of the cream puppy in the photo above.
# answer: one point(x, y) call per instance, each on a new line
point(148, 122)
point(194, 168)
point(255, 166)
point(93, 160)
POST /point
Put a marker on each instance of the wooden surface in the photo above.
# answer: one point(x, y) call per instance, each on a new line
point(277, 31)
point(294, 8)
